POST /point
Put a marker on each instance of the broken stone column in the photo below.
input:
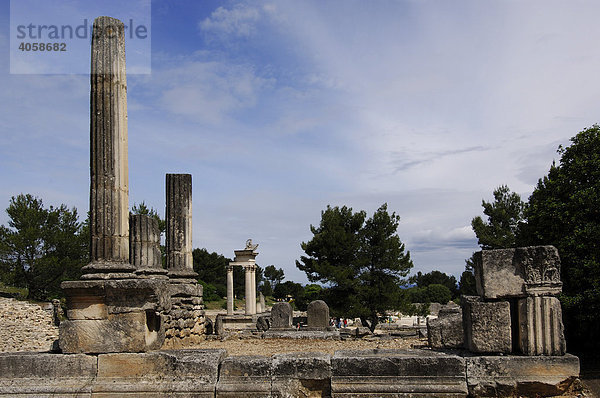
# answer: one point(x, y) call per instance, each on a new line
point(111, 309)
point(541, 329)
point(230, 290)
point(185, 321)
point(261, 299)
point(260, 306)
point(144, 246)
point(179, 226)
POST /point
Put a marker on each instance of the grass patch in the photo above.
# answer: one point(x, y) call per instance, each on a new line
point(19, 293)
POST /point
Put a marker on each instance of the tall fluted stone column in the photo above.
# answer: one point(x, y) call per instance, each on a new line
point(111, 309)
point(109, 187)
point(230, 290)
point(248, 290)
point(179, 226)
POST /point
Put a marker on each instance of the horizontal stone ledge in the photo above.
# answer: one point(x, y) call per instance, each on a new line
point(347, 373)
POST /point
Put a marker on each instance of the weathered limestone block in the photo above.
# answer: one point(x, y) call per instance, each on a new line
point(245, 376)
point(305, 374)
point(541, 329)
point(109, 187)
point(189, 373)
point(317, 313)
point(281, 316)
point(487, 325)
point(124, 332)
point(446, 331)
point(517, 272)
point(397, 373)
point(144, 242)
point(42, 374)
point(523, 376)
point(92, 299)
point(114, 315)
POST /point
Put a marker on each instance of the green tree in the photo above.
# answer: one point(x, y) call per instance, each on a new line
point(363, 262)
point(266, 288)
point(289, 288)
point(212, 270)
point(41, 247)
point(149, 211)
point(503, 218)
point(564, 211)
point(273, 275)
point(435, 277)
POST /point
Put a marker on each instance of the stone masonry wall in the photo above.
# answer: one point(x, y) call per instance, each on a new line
point(25, 327)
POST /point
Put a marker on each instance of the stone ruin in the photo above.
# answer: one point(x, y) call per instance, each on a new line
point(126, 301)
point(516, 310)
point(507, 341)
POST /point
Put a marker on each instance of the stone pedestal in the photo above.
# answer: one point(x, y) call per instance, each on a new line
point(114, 315)
point(540, 326)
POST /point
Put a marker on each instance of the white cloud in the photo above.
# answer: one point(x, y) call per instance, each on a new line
point(238, 21)
point(208, 91)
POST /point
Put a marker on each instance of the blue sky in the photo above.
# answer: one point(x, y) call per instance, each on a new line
point(279, 108)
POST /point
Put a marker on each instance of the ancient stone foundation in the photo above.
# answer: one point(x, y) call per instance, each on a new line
point(209, 373)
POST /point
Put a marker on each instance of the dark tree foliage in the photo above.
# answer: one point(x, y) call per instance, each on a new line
point(499, 231)
point(362, 261)
point(503, 218)
point(41, 247)
point(433, 293)
point(436, 277)
point(273, 275)
point(289, 290)
point(564, 211)
point(467, 284)
point(142, 209)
